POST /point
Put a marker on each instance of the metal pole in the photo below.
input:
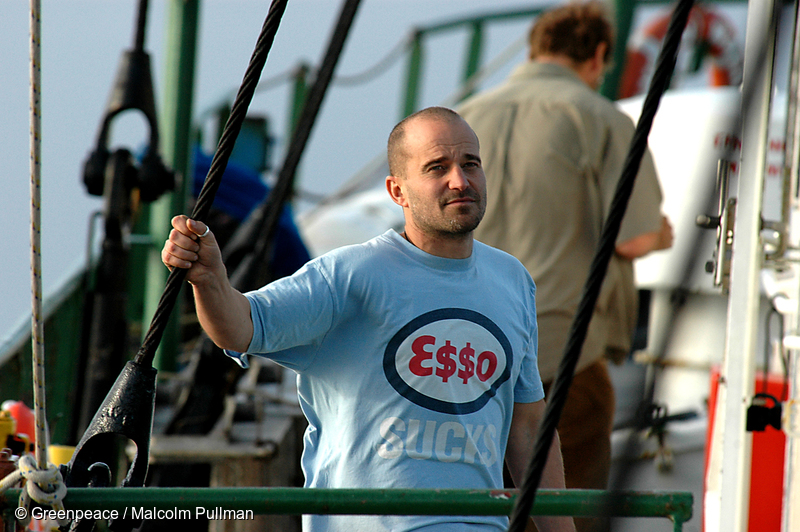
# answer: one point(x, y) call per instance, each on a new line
point(299, 94)
point(676, 506)
point(474, 49)
point(624, 10)
point(791, 495)
point(727, 496)
point(413, 76)
point(177, 120)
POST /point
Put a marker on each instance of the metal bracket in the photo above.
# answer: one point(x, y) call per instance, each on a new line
point(760, 414)
point(126, 411)
point(724, 223)
point(133, 90)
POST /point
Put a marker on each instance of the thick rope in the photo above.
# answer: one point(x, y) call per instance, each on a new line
point(37, 325)
point(661, 78)
point(45, 486)
point(644, 411)
point(250, 274)
point(214, 177)
point(141, 26)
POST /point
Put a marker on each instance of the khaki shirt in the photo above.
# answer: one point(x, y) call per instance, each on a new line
point(553, 150)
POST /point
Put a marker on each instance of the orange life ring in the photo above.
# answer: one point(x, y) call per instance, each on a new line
point(709, 32)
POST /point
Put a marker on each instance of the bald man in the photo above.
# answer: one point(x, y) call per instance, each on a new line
point(415, 352)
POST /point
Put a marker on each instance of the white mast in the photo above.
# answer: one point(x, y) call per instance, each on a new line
point(728, 482)
point(791, 493)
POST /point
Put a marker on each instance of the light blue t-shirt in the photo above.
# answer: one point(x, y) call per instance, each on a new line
point(408, 367)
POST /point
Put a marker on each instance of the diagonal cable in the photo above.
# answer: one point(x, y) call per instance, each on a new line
point(214, 177)
point(663, 73)
point(763, 54)
point(248, 261)
point(255, 239)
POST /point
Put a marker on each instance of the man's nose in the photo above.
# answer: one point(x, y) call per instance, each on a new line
point(458, 180)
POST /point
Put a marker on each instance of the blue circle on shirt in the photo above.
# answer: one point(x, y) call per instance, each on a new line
point(432, 403)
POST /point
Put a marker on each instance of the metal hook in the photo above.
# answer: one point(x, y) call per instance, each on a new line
point(127, 411)
point(133, 90)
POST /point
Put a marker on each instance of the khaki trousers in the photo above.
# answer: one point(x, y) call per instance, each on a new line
point(585, 431)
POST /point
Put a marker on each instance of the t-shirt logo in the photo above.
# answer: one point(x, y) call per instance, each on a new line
point(448, 360)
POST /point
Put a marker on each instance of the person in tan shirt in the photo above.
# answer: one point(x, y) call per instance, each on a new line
point(553, 150)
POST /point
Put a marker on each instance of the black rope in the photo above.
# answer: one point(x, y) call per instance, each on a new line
point(258, 236)
point(644, 412)
point(661, 78)
point(214, 177)
point(213, 374)
point(141, 26)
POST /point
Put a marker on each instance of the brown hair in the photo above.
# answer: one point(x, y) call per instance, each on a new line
point(574, 30)
point(394, 149)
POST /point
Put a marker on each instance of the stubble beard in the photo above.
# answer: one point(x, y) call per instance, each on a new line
point(445, 226)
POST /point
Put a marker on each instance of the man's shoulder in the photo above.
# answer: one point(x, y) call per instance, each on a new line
point(539, 91)
point(492, 252)
point(488, 99)
point(579, 100)
point(580, 95)
point(503, 262)
point(513, 89)
point(356, 255)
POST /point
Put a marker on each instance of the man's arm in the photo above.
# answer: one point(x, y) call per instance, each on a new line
point(521, 439)
point(223, 311)
point(643, 244)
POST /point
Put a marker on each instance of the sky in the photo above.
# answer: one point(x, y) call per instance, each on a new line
point(81, 45)
point(82, 42)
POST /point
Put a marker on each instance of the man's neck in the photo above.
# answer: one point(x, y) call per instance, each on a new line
point(457, 247)
point(582, 70)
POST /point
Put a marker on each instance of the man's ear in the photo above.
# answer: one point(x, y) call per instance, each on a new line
point(591, 70)
point(600, 54)
point(395, 190)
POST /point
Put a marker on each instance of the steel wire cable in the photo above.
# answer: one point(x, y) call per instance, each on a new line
point(141, 26)
point(214, 177)
point(665, 66)
point(263, 86)
point(348, 80)
point(241, 254)
point(257, 235)
point(660, 348)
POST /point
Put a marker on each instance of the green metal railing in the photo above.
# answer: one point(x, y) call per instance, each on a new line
point(474, 50)
point(676, 506)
